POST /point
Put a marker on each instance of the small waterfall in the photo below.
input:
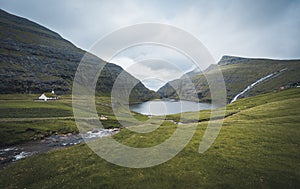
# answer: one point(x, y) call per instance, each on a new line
point(256, 82)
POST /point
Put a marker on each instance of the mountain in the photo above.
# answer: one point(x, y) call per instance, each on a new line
point(243, 76)
point(34, 59)
point(192, 73)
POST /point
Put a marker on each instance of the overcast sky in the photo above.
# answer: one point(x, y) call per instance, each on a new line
point(254, 28)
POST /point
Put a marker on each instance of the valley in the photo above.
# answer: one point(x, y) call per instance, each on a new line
point(258, 143)
point(43, 146)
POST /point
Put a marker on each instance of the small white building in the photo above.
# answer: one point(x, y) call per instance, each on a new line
point(43, 97)
point(50, 96)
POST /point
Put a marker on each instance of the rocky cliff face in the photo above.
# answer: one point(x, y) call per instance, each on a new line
point(34, 59)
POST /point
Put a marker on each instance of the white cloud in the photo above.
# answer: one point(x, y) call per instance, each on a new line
point(153, 63)
point(225, 27)
point(251, 28)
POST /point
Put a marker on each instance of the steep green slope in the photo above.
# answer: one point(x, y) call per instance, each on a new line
point(258, 147)
point(34, 59)
point(238, 73)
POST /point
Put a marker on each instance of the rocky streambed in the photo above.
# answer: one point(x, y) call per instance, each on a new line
point(14, 153)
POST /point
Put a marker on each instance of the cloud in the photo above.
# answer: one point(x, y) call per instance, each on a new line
point(153, 83)
point(151, 69)
point(154, 65)
point(157, 57)
point(250, 28)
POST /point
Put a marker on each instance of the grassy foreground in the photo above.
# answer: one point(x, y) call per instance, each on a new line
point(258, 147)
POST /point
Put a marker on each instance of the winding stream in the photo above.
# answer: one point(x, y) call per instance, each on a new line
point(15, 153)
point(164, 107)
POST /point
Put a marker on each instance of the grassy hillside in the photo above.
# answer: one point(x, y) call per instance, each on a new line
point(258, 147)
point(34, 59)
point(238, 73)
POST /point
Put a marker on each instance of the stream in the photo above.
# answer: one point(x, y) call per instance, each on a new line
point(17, 152)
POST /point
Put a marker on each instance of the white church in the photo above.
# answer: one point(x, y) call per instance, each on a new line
point(51, 96)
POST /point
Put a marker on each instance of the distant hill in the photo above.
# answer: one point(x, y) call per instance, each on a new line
point(34, 59)
point(238, 73)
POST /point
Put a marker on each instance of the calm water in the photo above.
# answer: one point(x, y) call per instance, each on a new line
point(165, 107)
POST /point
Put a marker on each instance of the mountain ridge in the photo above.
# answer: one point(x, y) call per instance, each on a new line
point(35, 59)
point(232, 59)
point(238, 73)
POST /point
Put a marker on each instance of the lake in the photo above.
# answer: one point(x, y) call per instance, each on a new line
point(166, 107)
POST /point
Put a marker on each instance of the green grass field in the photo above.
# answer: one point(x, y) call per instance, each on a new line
point(258, 147)
point(22, 118)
